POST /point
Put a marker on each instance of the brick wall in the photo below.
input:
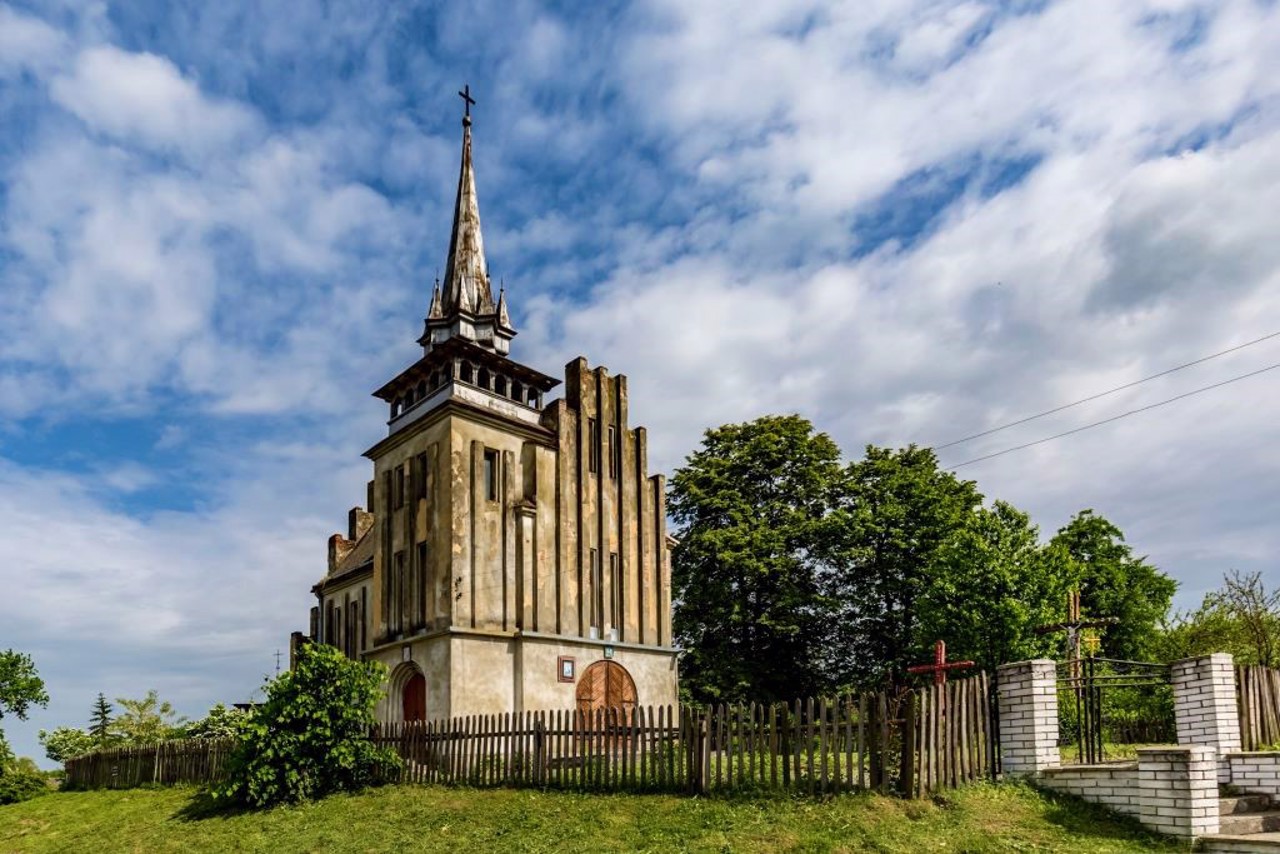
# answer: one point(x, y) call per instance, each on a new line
point(1204, 692)
point(1114, 786)
point(1178, 790)
point(1255, 773)
point(1028, 703)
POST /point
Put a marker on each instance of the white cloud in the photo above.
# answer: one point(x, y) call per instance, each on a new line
point(145, 98)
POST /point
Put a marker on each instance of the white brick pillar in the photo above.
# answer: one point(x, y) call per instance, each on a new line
point(1027, 699)
point(1204, 702)
point(1178, 790)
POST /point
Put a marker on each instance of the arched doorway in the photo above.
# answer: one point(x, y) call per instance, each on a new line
point(606, 685)
point(414, 698)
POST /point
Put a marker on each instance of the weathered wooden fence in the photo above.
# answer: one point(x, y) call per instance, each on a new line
point(1258, 695)
point(188, 761)
point(910, 742)
point(952, 735)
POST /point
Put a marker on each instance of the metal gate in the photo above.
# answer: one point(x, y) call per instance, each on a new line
point(1107, 707)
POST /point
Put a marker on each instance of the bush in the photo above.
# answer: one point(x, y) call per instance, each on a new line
point(21, 784)
point(310, 737)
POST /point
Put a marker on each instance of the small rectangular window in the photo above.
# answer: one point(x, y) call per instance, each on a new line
point(397, 488)
point(399, 594)
point(593, 445)
point(421, 482)
point(424, 579)
point(615, 591)
point(615, 453)
point(597, 591)
point(490, 474)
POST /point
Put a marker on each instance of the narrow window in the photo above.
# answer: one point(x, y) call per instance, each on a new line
point(614, 454)
point(517, 391)
point(353, 610)
point(421, 483)
point(397, 488)
point(597, 592)
point(482, 378)
point(500, 385)
point(315, 623)
point(335, 618)
point(424, 581)
point(399, 594)
point(464, 373)
point(593, 445)
point(490, 474)
point(615, 593)
point(364, 619)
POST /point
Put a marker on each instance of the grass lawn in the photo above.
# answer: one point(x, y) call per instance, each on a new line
point(1004, 818)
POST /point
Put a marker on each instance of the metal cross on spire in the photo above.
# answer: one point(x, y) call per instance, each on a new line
point(465, 95)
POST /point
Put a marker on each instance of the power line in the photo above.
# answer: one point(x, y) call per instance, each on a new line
point(1105, 393)
point(1117, 417)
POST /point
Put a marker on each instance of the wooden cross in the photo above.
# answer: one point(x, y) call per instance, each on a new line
point(277, 662)
point(1074, 627)
point(940, 664)
point(465, 95)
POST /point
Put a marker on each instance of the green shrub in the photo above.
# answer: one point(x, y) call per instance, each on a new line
point(310, 737)
point(21, 784)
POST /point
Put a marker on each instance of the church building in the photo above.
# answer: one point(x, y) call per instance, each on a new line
point(511, 554)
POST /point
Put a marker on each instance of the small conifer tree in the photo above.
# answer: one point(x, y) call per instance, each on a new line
point(100, 722)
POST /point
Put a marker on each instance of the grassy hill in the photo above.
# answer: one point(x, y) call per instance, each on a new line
point(981, 818)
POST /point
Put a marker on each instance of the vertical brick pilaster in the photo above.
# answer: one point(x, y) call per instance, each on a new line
point(1178, 790)
point(1204, 702)
point(1028, 703)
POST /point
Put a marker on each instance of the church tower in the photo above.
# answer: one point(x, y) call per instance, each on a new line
point(512, 553)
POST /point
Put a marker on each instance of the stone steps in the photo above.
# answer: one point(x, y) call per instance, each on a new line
point(1249, 824)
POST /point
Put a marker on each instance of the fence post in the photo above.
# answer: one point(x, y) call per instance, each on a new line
point(906, 777)
point(1028, 708)
point(1205, 706)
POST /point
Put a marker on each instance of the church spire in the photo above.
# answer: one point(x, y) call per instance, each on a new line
point(463, 307)
point(466, 274)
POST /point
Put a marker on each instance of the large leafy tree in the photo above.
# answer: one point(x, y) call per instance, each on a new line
point(20, 688)
point(993, 585)
point(899, 513)
point(752, 505)
point(1115, 583)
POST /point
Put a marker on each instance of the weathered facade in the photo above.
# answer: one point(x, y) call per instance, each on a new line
point(511, 554)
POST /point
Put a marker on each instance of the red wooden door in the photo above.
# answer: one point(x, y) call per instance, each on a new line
point(415, 698)
point(606, 685)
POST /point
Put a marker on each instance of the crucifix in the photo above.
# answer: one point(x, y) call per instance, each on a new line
point(940, 664)
point(1074, 628)
point(277, 662)
point(465, 95)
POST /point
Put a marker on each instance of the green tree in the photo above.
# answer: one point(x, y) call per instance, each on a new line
point(992, 586)
point(310, 737)
point(220, 722)
point(100, 721)
point(66, 742)
point(20, 687)
point(751, 506)
point(147, 720)
point(1242, 617)
point(1114, 583)
point(899, 513)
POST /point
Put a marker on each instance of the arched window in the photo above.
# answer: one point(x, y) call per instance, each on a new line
point(517, 391)
point(500, 385)
point(482, 378)
point(422, 390)
point(533, 397)
point(395, 409)
point(464, 372)
point(435, 380)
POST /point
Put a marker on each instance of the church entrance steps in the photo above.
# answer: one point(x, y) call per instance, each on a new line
point(1249, 823)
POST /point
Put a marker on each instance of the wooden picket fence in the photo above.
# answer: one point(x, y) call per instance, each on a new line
point(951, 736)
point(909, 742)
point(187, 761)
point(1258, 696)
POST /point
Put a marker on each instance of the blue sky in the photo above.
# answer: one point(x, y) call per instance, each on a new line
point(908, 220)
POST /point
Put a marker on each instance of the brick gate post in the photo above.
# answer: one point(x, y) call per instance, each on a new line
point(1027, 698)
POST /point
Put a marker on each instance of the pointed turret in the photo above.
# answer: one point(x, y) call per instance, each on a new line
point(463, 307)
point(504, 319)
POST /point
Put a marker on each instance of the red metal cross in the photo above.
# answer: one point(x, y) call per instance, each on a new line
point(940, 664)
